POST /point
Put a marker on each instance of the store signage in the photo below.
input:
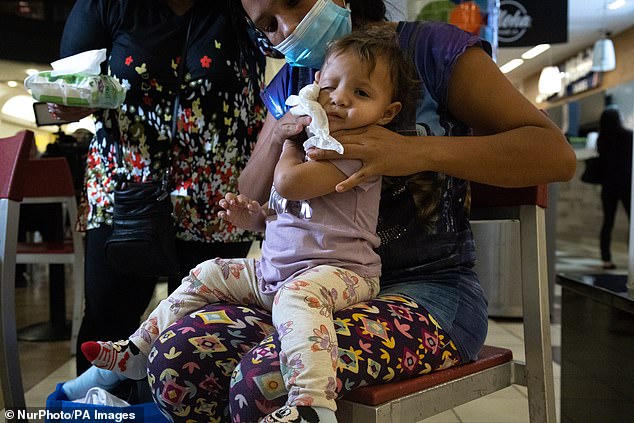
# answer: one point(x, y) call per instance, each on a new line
point(578, 75)
point(523, 23)
point(585, 83)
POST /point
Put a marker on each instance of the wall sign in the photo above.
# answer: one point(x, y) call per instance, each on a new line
point(578, 75)
point(523, 23)
point(478, 17)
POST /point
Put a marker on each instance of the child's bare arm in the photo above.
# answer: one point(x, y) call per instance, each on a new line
point(296, 179)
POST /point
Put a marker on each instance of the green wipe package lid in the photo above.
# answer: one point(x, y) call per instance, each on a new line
point(75, 81)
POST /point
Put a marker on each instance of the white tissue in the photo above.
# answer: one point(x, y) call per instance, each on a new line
point(99, 396)
point(318, 131)
point(88, 62)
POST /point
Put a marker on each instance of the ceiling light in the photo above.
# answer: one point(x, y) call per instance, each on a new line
point(510, 65)
point(549, 80)
point(19, 106)
point(603, 57)
point(535, 51)
point(616, 4)
point(12, 84)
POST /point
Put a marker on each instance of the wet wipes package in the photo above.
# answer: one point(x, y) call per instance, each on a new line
point(76, 81)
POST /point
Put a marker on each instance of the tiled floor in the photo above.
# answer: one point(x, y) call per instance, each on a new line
point(46, 363)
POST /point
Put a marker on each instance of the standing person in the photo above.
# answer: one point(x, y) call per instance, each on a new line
point(318, 252)
point(431, 312)
point(615, 151)
point(218, 117)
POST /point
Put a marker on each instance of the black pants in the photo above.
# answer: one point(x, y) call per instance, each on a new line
point(610, 197)
point(115, 302)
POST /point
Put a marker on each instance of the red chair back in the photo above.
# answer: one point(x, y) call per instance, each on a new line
point(14, 152)
point(489, 196)
point(50, 177)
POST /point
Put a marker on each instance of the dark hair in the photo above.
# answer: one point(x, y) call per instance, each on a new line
point(363, 12)
point(610, 121)
point(380, 42)
point(367, 11)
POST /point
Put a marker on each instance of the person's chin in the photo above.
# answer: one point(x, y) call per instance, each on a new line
point(335, 124)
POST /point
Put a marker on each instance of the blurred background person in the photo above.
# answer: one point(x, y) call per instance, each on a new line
point(615, 151)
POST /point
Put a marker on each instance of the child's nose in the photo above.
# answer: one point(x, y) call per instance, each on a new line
point(339, 98)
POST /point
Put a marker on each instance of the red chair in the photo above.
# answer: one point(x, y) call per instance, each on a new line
point(36, 181)
point(408, 401)
point(14, 152)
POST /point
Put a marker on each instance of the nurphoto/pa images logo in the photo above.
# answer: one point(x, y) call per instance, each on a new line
point(513, 21)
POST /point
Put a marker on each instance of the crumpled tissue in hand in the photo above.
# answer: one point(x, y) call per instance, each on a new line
point(318, 131)
point(75, 81)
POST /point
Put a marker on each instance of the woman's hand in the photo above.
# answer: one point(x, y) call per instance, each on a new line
point(382, 152)
point(290, 127)
point(69, 113)
point(243, 212)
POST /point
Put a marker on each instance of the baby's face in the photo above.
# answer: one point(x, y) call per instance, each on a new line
point(352, 96)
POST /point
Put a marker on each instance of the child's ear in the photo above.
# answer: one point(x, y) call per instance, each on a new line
point(390, 112)
point(317, 76)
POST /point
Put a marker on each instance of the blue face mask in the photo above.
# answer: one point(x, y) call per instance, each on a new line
point(324, 22)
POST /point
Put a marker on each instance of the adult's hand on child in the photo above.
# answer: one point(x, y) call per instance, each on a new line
point(243, 212)
point(69, 113)
point(382, 152)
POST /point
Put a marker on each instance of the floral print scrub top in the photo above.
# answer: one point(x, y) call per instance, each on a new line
point(217, 119)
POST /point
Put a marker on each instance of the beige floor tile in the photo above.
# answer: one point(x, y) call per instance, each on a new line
point(555, 335)
point(448, 416)
point(506, 406)
point(516, 329)
point(36, 396)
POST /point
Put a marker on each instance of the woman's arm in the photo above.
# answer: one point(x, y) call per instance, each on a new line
point(257, 177)
point(296, 179)
point(514, 144)
point(86, 29)
point(69, 113)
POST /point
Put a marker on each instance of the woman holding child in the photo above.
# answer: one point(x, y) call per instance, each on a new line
point(471, 125)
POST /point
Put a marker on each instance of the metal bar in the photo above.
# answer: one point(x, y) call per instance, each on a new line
point(10, 374)
point(537, 345)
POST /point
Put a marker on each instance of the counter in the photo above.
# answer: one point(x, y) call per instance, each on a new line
point(597, 349)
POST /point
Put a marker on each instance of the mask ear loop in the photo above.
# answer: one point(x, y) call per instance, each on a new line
point(260, 40)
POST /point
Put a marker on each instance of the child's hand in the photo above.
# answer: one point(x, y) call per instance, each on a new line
point(243, 212)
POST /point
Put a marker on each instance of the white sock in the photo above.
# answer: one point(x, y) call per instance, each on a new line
point(121, 357)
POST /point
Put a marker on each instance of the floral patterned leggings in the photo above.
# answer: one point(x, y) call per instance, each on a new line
point(191, 364)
